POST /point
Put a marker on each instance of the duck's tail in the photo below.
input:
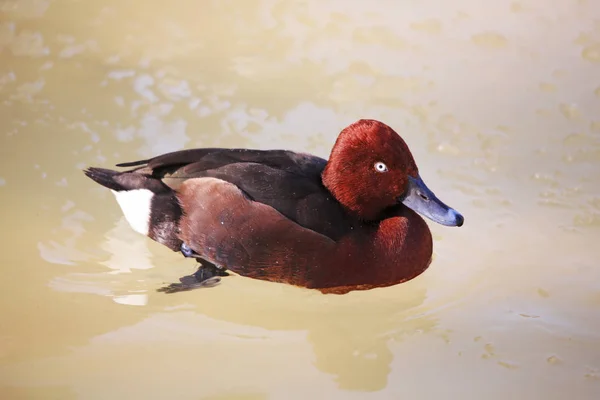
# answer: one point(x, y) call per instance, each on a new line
point(104, 177)
point(149, 206)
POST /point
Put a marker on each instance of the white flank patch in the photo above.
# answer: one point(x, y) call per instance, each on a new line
point(135, 205)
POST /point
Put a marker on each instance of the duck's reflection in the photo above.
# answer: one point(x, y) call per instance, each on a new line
point(356, 349)
point(349, 335)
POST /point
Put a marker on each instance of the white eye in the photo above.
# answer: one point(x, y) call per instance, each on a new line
point(380, 167)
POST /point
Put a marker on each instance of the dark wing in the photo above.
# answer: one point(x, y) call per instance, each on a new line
point(287, 181)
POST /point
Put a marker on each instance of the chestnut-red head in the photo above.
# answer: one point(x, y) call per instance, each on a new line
point(371, 168)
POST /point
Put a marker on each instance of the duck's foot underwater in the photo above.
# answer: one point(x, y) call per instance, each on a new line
point(208, 275)
point(188, 252)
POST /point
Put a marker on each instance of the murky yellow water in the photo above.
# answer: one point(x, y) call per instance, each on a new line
point(499, 101)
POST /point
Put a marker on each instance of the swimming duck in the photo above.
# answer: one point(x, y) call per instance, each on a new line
point(348, 223)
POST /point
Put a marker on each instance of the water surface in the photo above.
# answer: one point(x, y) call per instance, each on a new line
point(499, 102)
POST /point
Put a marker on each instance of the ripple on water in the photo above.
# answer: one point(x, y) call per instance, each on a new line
point(593, 374)
point(587, 219)
point(508, 364)
point(546, 178)
point(570, 111)
point(428, 26)
point(490, 40)
point(591, 53)
point(554, 360)
point(543, 293)
point(28, 44)
point(580, 139)
point(595, 203)
point(583, 155)
point(547, 87)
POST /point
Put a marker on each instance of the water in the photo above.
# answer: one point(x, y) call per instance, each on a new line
point(499, 102)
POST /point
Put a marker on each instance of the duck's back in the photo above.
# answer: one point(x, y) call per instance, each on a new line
point(287, 181)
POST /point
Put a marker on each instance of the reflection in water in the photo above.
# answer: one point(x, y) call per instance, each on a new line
point(497, 119)
point(360, 358)
point(354, 350)
point(126, 249)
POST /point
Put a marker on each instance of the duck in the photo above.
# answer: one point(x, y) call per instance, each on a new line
point(347, 223)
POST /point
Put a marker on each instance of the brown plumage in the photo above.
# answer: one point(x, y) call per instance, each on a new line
point(275, 215)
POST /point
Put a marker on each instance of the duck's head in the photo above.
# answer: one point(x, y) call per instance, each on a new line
point(371, 169)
